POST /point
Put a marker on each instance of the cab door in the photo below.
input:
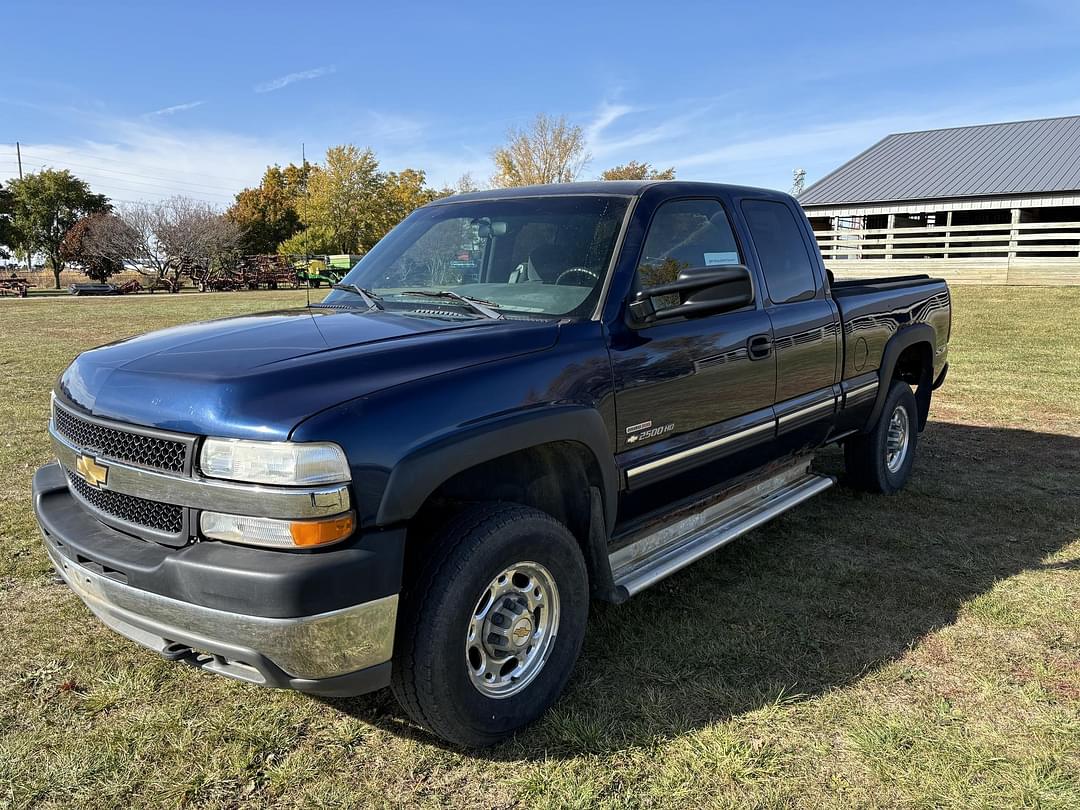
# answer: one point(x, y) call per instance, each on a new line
point(805, 323)
point(689, 392)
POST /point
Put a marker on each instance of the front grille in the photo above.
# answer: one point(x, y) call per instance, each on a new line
point(144, 451)
point(163, 517)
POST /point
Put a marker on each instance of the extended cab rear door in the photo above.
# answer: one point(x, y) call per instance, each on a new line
point(805, 322)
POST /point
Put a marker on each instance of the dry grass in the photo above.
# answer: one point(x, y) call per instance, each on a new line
point(915, 651)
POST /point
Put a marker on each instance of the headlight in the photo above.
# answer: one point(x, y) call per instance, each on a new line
point(289, 463)
point(256, 531)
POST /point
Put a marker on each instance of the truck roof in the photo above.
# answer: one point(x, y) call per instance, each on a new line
point(627, 188)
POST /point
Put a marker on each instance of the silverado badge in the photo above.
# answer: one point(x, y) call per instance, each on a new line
point(93, 473)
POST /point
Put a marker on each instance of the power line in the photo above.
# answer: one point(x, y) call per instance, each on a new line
point(39, 159)
point(157, 166)
point(138, 185)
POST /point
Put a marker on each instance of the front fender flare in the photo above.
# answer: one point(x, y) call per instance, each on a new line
point(421, 472)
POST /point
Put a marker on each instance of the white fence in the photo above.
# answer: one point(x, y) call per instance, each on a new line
point(1018, 253)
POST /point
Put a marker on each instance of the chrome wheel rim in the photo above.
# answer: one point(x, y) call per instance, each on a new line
point(512, 630)
point(898, 439)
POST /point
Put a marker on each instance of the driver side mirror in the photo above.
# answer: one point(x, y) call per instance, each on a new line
point(700, 291)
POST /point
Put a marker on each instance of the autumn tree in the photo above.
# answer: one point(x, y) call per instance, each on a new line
point(402, 193)
point(350, 204)
point(84, 244)
point(44, 206)
point(637, 171)
point(266, 215)
point(341, 197)
point(549, 150)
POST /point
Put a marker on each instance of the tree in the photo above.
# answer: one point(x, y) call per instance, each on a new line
point(83, 245)
point(162, 240)
point(312, 241)
point(350, 204)
point(341, 197)
point(465, 184)
point(798, 182)
point(266, 214)
point(45, 205)
point(7, 228)
point(637, 171)
point(550, 150)
point(402, 193)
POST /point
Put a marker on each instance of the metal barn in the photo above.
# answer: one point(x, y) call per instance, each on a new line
point(990, 204)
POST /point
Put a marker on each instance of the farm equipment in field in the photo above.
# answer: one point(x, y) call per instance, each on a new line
point(244, 273)
point(14, 287)
point(318, 270)
point(129, 287)
point(93, 288)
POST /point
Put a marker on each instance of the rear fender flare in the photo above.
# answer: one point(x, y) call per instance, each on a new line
point(424, 469)
point(906, 337)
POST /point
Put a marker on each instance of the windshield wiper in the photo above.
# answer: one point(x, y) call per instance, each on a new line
point(475, 304)
point(370, 299)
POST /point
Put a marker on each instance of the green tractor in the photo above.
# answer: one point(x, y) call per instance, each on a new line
point(318, 270)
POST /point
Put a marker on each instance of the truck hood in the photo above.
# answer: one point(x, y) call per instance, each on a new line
point(258, 376)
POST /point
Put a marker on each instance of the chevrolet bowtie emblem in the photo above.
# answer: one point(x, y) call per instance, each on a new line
point(93, 473)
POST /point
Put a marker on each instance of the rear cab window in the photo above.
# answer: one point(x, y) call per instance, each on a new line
point(778, 241)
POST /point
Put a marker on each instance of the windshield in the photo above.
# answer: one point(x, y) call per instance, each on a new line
point(532, 256)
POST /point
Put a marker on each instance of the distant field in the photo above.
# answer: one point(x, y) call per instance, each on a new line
point(915, 651)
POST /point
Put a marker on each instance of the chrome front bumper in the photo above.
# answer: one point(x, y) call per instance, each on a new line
point(327, 653)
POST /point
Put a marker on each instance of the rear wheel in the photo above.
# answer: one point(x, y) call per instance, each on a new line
point(491, 624)
point(881, 460)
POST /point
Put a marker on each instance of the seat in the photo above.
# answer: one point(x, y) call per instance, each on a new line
point(544, 264)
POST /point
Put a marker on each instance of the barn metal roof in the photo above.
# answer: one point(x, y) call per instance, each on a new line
point(1020, 157)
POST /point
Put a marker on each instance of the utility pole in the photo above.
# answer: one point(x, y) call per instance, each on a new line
point(18, 155)
point(303, 155)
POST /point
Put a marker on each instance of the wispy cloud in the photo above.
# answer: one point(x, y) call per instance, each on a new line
point(148, 158)
point(300, 76)
point(607, 115)
point(191, 105)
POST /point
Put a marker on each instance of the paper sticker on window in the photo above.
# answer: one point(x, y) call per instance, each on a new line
point(724, 257)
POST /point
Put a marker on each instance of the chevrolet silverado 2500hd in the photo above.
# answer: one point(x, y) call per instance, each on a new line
point(519, 400)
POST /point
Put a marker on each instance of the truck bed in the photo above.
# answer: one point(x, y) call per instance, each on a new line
point(873, 309)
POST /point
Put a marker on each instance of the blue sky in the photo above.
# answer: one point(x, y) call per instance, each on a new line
point(149, 99)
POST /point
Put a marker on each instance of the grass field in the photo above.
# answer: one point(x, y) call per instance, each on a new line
point(915, 651)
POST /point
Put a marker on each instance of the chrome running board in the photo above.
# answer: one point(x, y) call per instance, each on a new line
point(651, 558)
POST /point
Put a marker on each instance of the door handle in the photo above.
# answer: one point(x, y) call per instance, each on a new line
point(759, 347)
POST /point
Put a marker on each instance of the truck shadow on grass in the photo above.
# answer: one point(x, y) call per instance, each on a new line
point(815, 600)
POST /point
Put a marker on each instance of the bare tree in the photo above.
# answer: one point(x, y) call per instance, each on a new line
point(163, 240)
point(549, 151)
point(465, 184)
point(798, 182)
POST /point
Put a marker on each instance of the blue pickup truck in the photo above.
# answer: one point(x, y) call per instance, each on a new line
point(517, 402)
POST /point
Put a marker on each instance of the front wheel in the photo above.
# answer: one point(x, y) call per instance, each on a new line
point(881, 460)
point(491, 625)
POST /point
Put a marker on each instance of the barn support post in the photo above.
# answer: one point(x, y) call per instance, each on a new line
point(889, 229)
point(1015, 220)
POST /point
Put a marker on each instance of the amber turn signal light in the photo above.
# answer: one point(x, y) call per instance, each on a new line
point(320, 532)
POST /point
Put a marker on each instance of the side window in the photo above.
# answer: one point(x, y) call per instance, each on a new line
point(685, 234)
point(789, 275)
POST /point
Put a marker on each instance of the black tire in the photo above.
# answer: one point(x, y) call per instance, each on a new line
point(430, 676)
point(866, 455)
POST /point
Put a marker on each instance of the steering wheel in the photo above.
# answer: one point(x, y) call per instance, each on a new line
point(578, 270)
